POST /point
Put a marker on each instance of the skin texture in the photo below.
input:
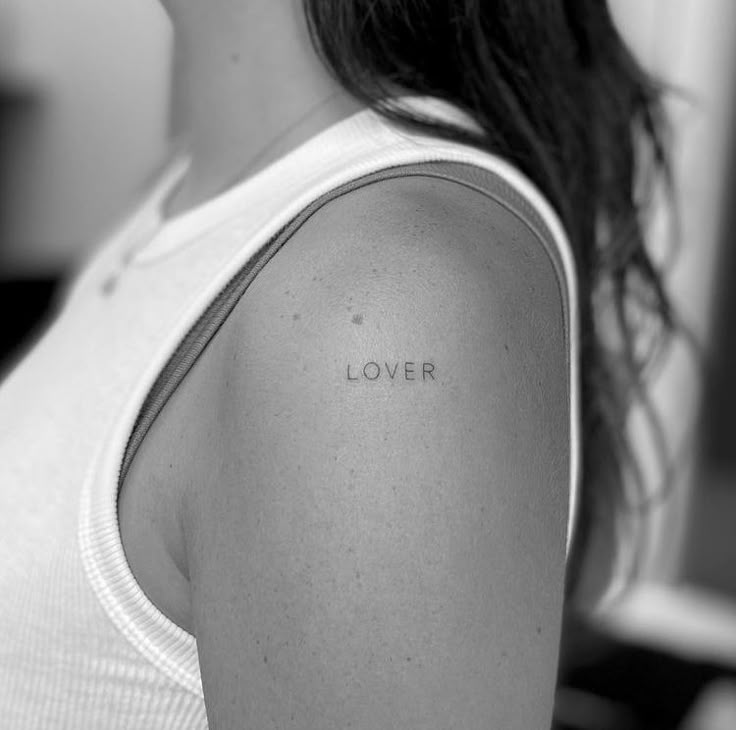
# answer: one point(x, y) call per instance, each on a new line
point(364, 554)
point(384, 554)
point(247, 88)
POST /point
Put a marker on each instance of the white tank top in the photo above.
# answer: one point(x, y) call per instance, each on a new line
point(83, 647)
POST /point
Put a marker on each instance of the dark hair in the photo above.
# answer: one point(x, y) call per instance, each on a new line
point(556, 92)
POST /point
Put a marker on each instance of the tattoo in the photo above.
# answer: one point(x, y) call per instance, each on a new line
point(372, 370)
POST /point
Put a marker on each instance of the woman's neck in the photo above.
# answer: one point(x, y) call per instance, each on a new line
point(247, 88)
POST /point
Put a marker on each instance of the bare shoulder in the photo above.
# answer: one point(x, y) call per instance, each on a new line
point(383, 541)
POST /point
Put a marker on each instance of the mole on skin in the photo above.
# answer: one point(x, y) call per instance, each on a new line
point(372, 370)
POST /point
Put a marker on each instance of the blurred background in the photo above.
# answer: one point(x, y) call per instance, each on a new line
point(83, 122)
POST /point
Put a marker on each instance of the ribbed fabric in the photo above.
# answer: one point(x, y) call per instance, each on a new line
point(83, 646)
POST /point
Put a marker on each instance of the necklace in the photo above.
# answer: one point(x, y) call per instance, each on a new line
point(169, 182)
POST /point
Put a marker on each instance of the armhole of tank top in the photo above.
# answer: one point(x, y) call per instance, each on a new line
point(165, 644)
point(510, 194)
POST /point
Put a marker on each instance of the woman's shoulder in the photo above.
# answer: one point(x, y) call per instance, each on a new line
point(411, 279)
point(417, 303)
point(497, 230)
point(438, 227)
point(420, 241)
point(410, 269)
point(387, 500)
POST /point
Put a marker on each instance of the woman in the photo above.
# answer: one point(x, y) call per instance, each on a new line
point(323, 401)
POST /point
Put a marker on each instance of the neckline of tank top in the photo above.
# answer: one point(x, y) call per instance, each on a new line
point(168, 235)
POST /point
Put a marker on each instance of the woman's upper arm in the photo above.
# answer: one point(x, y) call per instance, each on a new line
point(382, 542)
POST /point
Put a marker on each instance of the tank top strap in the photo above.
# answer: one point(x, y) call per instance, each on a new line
point(501, 188)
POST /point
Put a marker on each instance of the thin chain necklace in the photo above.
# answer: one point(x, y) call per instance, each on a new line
point(165, 190)
point(248, 169)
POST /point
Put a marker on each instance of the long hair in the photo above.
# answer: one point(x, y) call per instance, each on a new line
point(557, 93)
